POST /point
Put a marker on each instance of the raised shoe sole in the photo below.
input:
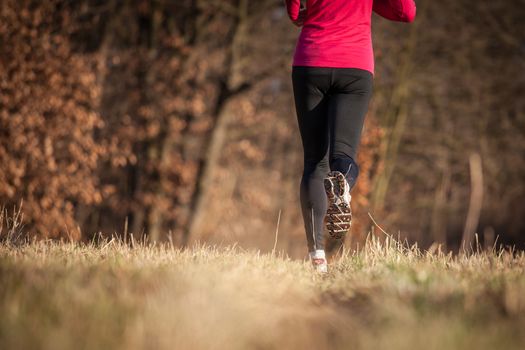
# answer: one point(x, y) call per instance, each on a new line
point(339, 214)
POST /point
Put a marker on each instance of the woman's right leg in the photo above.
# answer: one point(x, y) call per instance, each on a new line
point(350, 93)
point(310, 86)
point(348, 105)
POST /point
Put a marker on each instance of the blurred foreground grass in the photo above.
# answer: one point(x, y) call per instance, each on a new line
point(386, 296)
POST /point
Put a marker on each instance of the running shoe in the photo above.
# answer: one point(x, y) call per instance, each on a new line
point(339, 214)
point(319, 262)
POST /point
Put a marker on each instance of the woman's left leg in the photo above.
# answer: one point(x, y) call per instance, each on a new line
point(310, 85)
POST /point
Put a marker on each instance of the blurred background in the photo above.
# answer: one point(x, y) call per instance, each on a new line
point(175, 120)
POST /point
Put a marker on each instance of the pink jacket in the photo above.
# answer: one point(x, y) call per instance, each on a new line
point(337, 33)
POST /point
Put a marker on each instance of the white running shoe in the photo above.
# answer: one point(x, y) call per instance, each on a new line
point(318, 260)
point(339, 214)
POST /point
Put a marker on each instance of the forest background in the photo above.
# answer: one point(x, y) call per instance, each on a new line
point(175, 120)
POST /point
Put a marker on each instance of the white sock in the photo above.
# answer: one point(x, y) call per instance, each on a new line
point(318, 254)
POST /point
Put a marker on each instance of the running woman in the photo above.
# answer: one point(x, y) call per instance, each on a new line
point(332, 78)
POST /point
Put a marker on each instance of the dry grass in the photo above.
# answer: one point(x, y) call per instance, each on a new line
point(113, 296)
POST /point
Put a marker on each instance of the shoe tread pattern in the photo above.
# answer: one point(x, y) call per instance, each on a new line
point(339, 213)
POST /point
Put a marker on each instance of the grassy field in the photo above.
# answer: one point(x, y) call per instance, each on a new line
point(386, 296)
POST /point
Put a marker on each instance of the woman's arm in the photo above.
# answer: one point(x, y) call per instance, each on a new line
point(293, 6)
point(396, 10)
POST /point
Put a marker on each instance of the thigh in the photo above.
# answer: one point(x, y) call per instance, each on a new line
point(347, 106)
point(310, 85)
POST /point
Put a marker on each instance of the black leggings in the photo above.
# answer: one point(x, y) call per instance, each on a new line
point(331, 104)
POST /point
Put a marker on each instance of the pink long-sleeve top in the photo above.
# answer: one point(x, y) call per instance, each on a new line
point(337, 33)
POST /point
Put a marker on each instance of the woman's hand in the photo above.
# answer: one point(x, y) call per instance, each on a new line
point(302, 16)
